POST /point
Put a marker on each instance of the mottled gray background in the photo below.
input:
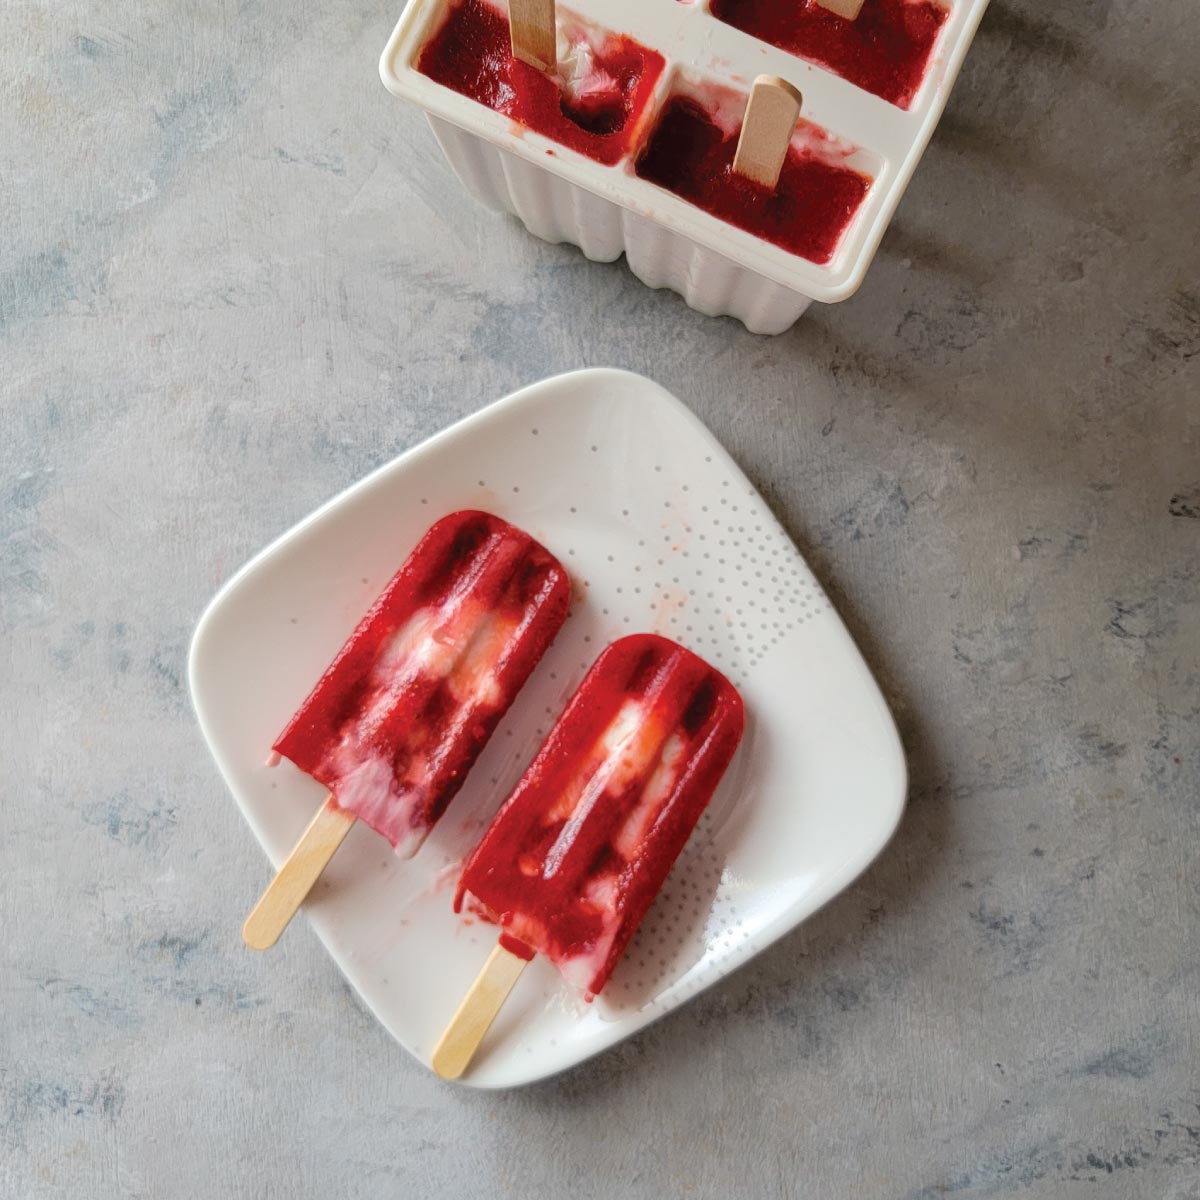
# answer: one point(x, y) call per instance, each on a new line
point(235, 276)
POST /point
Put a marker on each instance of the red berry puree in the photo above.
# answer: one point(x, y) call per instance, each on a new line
point(403, 711)
point(580, 849)
point(597, 115)
point(885, 51)
point(689, 154)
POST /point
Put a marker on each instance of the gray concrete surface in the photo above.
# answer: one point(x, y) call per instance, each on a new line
point(235, 276)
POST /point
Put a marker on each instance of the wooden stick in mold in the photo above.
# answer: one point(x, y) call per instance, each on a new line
point(767, 129)
point(531, 24)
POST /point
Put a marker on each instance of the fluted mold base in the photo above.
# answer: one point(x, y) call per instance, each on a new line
point(559, 211)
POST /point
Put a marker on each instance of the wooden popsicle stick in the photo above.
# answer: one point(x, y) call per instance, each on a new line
point(287, 891)
point(767, 129)
point(843, 8)
point(531, 25)
point(456, 1047)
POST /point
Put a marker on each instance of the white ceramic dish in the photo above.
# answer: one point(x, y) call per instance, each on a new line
point(563, 196)
point(660, 531)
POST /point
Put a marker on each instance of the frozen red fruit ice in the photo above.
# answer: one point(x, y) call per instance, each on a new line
point(884, 50)
point(578, 852)
point(402, 712)
point(690, 154)
point(592, 104)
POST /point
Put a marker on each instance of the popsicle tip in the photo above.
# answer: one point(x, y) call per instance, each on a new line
point(257, 934)
point(447, 1066)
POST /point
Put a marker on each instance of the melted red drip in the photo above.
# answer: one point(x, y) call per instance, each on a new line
point(472, 54)
point(421, 721)
point(885, 50)
point(528, 878)
point(515, 947)
point(808, 211)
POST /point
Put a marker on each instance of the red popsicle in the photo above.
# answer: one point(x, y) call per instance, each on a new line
point(403, 711)
point(578, 852)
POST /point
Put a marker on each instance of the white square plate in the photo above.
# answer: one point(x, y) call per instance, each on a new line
point(661, 532)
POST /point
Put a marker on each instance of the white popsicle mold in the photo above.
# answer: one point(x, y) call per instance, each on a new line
point(607, 211)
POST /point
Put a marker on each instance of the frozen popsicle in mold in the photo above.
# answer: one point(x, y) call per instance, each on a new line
point(591, 99)
point(884, 48)
point(693, 151)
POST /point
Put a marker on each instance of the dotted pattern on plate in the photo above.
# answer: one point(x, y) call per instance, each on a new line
point(723, 578)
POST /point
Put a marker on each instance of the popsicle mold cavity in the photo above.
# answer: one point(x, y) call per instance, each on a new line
point(593, 103)
point(690, 152)
point(885, 50)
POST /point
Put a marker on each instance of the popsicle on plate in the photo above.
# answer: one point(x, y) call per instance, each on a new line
point(691, 152)
point(593, 102)
point(884, 50)
point(401, 714)
point(578, 852)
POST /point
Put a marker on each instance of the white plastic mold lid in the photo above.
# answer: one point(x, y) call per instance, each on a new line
point(879, 139)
